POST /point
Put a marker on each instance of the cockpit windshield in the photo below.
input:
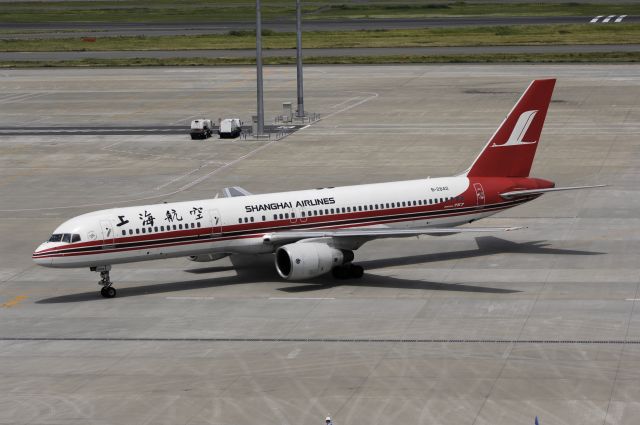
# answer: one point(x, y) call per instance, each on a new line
point(65, 237)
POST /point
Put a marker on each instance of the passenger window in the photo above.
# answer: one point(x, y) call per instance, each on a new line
point(155, 229)
point(293, 215)
point(302, 213)
point(281, 217)
point(66, 237)
point(286, 215)
point(264, 218)
point(365, 207)
point(344, 210)
point(144, 230)
point(150, 229)
point(359, 207)
point(348, 209)
point(246, 219)
point(76, 237)
point(193, 225)
point(137, 231)
point(124, 233)
point(180, 226)
point(326, 211)
point(332, 212)
point(370, 207)
point(131, 231)
point(199, 222)
point(175, 227)
point(275, 216)
point(252, 219)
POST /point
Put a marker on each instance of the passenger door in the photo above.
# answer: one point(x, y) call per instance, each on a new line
point(216, 222)
point(479, 193)
point(108, 234)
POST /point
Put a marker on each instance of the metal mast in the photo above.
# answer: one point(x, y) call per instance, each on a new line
point(259, 69)
point(300, 111)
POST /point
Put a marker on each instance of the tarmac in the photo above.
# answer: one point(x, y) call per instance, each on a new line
point(459, 330)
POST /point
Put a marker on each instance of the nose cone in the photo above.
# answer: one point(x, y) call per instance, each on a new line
point(39, 257)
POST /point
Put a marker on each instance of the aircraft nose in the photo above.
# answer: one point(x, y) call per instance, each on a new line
point(38, 257)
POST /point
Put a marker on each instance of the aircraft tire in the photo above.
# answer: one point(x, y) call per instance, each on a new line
point(356, 272)
point(108, 292)
point(340, 272)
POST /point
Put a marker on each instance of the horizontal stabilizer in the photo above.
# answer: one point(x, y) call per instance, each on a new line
point(528, 192)
point(290, 236)
point(232, 192)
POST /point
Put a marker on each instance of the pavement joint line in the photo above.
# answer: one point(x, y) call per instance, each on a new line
point(339, 340)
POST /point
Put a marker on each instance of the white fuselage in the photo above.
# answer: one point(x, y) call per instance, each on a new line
point(239, 224)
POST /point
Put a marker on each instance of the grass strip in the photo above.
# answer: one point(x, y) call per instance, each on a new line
point(452, 36)
point(107, 11)
point(614, 57)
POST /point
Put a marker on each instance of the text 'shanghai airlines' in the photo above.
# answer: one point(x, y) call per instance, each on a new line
point(313, 232)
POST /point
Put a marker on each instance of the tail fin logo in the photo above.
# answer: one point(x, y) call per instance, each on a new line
point(519, 130)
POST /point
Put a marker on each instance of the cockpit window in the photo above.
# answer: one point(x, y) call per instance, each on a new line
point(66, 237)
point(75, 237)
point(56, 237)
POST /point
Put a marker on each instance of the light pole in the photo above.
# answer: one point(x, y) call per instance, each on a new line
point(259, 69)
point(300, 111)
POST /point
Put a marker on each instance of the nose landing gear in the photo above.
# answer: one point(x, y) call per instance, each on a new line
point(107, 290)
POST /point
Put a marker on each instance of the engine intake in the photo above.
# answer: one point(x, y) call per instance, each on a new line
point(306, 260)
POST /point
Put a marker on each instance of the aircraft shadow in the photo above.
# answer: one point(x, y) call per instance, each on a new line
point(487, 245)
point(262, 271)
point(375, 281)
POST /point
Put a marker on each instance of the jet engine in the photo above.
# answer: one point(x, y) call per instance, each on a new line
point(306, 260)
point(202, 258)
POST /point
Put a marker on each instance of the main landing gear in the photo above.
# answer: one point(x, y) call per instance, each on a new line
point(348, 271)
point(107, 290)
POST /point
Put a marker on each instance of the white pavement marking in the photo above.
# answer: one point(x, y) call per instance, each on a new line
point(620, 18)
point(594, 20)
point(608, 18)
point(632, 299)
point(302, 298)
point(294, 353)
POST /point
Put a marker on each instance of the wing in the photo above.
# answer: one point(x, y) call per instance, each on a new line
point(359, 236)
point(232, 192)
point(517, 193)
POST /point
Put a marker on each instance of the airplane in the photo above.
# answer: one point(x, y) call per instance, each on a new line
point(315, 232)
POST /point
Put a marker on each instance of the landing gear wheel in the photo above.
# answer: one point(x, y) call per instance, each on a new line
point(355, 271)
point(340, 272)
point(108, 292)
point(348, 271)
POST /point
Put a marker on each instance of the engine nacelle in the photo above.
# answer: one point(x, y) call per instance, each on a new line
point(306, 260)
point(203, 258)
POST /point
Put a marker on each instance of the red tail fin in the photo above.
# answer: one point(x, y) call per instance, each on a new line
point(511, 149)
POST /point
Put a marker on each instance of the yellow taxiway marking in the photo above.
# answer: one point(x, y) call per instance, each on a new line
point(14, 302)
